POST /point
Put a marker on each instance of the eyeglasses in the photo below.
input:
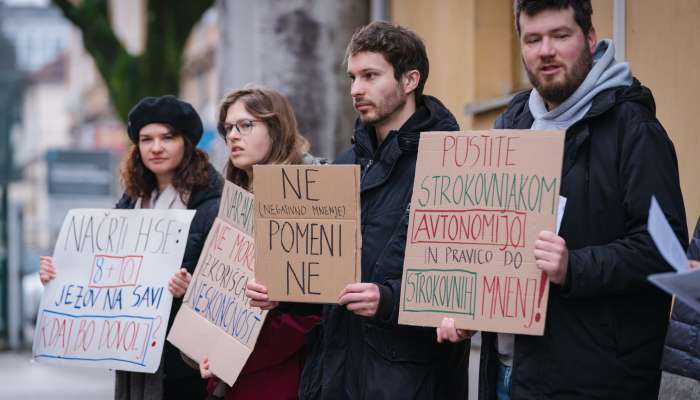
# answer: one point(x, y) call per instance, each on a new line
point(243, 126)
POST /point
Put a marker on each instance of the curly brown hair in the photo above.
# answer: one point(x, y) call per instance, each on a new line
point(191, 174)
point(273, 108)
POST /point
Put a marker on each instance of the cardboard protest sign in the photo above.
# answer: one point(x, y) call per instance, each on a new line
point(109, 304)
point(307, 230)
point(479, 201)
point(216, 319)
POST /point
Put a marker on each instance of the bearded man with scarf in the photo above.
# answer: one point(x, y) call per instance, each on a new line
point(606, 323)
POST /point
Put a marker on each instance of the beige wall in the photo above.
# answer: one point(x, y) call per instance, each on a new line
point(662, 45)
point(471, 48)
point(494, 45)
point(448, 31)
point(663, 48)
point(602, 18)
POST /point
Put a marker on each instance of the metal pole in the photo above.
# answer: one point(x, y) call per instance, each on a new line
point(379, 10)
point(14, 283)
point(3, 261)
point(4, 250)
point(619, 26)
point(10, 96)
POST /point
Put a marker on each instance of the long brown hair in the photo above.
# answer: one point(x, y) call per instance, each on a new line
point(190, 174)
point(287, 145)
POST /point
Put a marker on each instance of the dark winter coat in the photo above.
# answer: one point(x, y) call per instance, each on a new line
point(354, 357)
point(682, 349)
point(206, 203)
point(606, 325)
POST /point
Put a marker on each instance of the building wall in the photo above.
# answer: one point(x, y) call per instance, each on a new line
point(37, 135)
point(603, 18)
point(128, 19)
point(200, 71)
point(200, 82)
point(447, 28)
point(663, 48)
point(39, 34)
point(471, 47)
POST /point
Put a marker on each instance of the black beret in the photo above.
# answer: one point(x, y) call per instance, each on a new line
point(165, 110)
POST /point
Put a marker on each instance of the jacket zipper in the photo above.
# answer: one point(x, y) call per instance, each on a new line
point(365, 169)
point(375, 156)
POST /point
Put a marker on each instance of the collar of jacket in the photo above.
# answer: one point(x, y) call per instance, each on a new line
point(213, 189)
point(377, 162)
point(518, 116)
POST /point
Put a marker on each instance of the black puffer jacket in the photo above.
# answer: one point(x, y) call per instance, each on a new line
point(354, 357)
point(206, 203)
point(682, 349)
point(606, 325)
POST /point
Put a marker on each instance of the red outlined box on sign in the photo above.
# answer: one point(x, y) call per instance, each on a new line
point(485, 227)
point(114, 271)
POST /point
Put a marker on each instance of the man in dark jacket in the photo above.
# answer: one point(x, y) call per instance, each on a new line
point(681, 360)
point(359, 351)
point(606, 324)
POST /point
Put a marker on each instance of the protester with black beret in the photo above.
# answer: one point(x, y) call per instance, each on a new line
point(165, 170)
point(166, 110)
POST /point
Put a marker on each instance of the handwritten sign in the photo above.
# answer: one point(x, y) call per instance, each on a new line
point(216, 319)
point(479, 201)
point(307, 229)
point(108, 306)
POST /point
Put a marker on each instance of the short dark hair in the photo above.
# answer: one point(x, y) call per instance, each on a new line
point(401, 48)
point(582, 10)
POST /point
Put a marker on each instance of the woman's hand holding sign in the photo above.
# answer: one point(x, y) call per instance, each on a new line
point(47, 272)
point(204, 371)
point(179, 283)
point(257, 294)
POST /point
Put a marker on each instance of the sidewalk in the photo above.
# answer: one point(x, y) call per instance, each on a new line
point(21, 378)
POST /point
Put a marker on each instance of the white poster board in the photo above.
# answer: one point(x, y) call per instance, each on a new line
point(683, 283)
point(109, 304)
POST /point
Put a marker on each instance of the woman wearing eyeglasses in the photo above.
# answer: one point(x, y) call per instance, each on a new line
point(259, 127)
point(165, 170)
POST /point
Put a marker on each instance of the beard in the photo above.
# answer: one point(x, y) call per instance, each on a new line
point(385, 108)
point(557, 92)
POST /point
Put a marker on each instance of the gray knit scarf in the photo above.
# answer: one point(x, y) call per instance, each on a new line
point(606, 73)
